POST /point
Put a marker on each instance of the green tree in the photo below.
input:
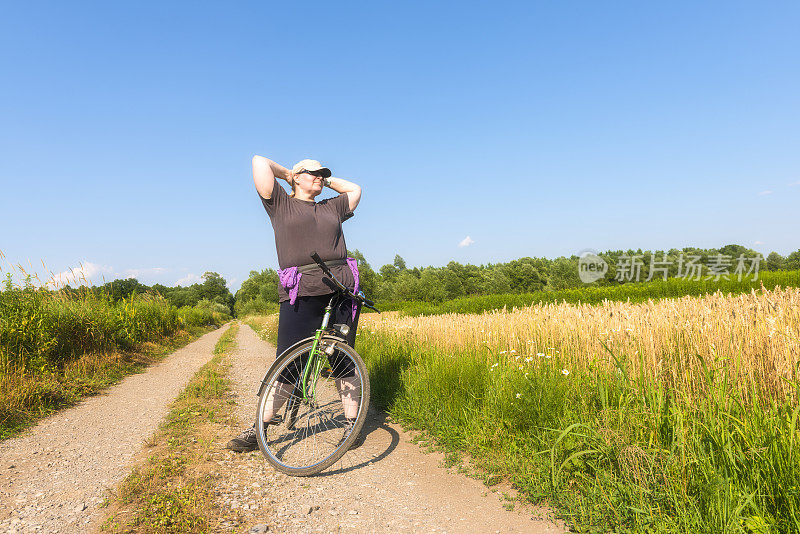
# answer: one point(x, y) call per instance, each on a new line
point(495, 281)
point(564, 273)
point(124, 288)
point(368, 280)
point(792, 262)
point(737, 250)
point(406, 287)
point(215, 289)
point(431, 286)
point(774, 261)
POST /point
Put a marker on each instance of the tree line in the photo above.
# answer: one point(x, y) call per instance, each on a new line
point(396, 282)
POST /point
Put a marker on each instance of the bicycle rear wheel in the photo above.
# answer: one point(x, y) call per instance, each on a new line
point(315, 431)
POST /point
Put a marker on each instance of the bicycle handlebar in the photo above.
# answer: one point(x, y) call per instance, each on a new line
point(368, 303)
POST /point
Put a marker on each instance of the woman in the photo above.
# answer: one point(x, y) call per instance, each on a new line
point(301, 227)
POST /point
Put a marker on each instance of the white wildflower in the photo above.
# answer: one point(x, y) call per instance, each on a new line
point(519, 395)
point(565, 372)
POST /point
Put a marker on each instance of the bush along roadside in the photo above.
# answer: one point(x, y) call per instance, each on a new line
point(610, 452)
point(173, 491)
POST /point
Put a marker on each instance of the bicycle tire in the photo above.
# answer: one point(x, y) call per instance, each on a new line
point(317, 439)
point(292, 407)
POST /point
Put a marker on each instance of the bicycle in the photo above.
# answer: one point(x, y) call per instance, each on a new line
point(317, 384)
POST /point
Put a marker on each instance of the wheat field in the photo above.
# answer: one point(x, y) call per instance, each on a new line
point(752, 338)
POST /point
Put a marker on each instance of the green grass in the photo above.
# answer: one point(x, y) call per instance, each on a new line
point(609, 453)
point(633, 292)
point(266, 326)
point(174, 491)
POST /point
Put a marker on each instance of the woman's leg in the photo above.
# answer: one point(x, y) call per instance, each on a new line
point(347, 381)
point(348, 390)
point(276, 399)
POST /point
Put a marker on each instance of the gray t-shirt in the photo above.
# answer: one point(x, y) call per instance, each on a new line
point(304, 226)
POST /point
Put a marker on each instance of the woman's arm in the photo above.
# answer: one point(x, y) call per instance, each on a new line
point(264, 173)
point(340, 185)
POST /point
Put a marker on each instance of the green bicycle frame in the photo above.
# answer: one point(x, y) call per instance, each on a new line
point(315, 362)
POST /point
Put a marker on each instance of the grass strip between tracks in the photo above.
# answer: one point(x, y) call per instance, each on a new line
point(173, 490)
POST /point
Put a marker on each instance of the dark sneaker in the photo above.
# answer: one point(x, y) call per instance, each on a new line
point(244, 442)
point(349, 424)
point(247, 441)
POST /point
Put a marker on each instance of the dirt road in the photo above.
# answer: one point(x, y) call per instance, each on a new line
point(53, 478)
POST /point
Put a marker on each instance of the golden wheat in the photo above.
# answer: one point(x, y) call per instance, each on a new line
point(752, 339)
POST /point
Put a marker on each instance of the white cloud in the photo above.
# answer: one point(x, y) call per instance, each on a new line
point(232, 282)
point(467, 241)
point(767, 192)
point(78, 276)
point(795, 183)
point(758, 242)
point(188, 280)
point(136, 273)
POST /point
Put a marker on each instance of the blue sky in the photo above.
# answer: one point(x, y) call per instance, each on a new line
point(536, 129)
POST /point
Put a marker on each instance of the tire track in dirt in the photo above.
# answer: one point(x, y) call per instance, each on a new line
point(389, 484)
point(54, 477)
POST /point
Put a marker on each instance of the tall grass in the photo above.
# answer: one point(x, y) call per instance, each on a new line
point(629, 292)
point(56, 346)
point(41, 328)
point(679, 415)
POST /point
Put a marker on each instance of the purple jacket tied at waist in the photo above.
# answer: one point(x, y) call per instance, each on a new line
point(290, 280)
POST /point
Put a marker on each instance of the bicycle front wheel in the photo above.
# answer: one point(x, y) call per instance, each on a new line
point(312, 427)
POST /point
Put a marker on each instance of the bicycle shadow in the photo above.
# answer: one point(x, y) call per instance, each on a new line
point(376, 421)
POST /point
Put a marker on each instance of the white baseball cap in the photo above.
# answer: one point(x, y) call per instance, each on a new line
point(311, 165)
